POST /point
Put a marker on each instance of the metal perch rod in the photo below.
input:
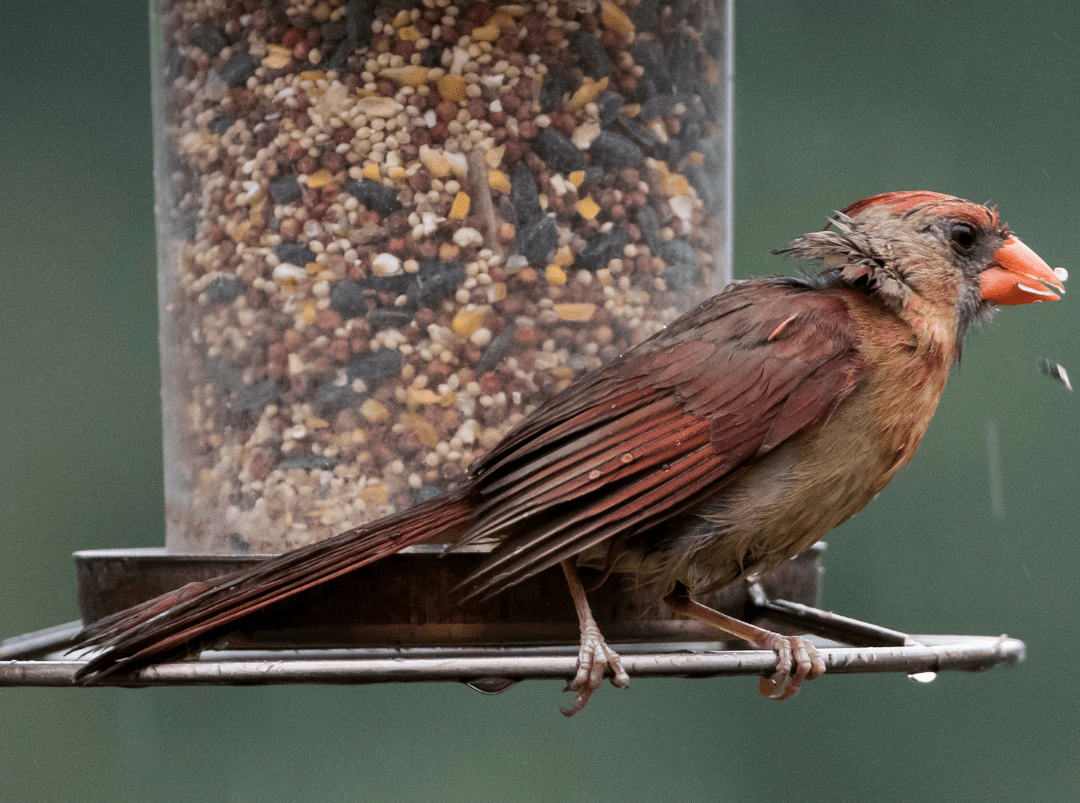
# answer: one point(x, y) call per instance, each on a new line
point(931, 654)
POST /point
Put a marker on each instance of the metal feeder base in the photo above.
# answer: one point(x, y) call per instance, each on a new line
point(408, 600)
point(396, 621)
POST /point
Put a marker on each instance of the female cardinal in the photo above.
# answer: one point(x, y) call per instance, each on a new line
point(728, 442)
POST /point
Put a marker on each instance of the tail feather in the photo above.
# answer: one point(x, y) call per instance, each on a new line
point(199, 612)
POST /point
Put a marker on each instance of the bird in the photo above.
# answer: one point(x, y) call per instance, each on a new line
point(730, 441)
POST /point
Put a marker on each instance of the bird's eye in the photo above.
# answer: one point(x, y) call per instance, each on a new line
point(962, 236)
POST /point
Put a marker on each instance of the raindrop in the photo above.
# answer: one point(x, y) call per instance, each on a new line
point(922, 677)
point(1055, 371)
point(490, 685)
point(993, 459)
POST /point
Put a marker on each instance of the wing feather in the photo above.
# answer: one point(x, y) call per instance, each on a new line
point(607, 466)
point(661, 429)
point(631, 507)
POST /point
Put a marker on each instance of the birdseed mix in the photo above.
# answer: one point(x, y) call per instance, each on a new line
point(390, 229)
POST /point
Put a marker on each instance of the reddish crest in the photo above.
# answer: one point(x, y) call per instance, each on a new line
point(900, 202)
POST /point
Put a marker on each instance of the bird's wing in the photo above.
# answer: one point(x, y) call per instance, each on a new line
point(647, 436)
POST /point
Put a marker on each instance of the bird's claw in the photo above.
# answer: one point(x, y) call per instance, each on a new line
point(796, 660)
point(594, 658)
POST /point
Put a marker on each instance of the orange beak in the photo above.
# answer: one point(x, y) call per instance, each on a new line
point(1018, 275)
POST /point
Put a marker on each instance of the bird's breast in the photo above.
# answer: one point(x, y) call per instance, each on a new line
point(784, 501)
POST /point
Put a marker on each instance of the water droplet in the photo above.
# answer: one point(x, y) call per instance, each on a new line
point(1056, 371)
point(922, 677)
point(627, 457)
point(666, 467)
point(490, 685)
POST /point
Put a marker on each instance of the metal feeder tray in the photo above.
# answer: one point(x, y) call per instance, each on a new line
point(397, 621)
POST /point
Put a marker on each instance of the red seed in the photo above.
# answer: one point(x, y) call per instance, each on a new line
point(339, 349)
point(420, 181)
point(478, 13)
point(446, 111)
point(328, 319)
point(526, 335)
point(292, 340)
point(333, 161)
point(477, 109)
point(489, 382)
point(563, 123)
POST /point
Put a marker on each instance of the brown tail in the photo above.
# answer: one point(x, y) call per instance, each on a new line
point(199, 612)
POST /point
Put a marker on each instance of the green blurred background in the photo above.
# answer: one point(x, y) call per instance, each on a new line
point(835, 101)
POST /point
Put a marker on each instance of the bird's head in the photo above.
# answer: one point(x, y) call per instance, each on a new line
point(945, 250)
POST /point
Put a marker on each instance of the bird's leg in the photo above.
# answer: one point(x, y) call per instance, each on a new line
point(595, 656)
point(796, 658)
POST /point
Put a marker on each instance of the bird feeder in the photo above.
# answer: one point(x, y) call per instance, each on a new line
point(386, 231)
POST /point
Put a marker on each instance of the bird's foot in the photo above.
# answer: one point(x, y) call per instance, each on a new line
point(594, 658)
point(796, 660)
